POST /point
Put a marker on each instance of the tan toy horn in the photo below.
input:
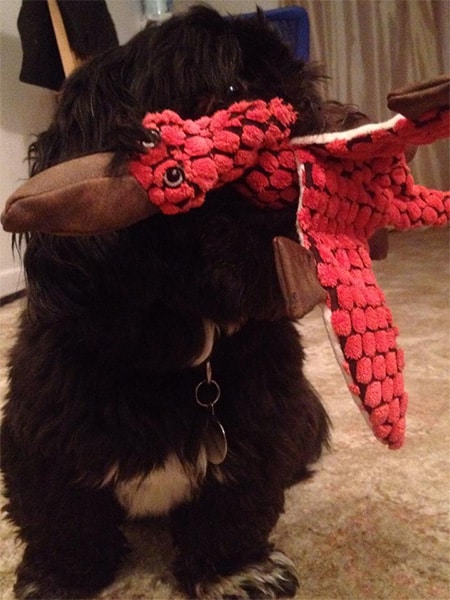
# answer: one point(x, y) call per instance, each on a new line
point(77, 197)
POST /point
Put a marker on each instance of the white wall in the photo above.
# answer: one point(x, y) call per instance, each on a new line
point(126, 15)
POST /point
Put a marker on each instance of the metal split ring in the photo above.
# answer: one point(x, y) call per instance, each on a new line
point(209, 381)
point(203, 383)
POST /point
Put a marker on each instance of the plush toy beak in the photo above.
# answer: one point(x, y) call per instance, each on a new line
point(77, 197)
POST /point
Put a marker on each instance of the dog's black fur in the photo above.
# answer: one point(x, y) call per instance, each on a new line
point(103, 373)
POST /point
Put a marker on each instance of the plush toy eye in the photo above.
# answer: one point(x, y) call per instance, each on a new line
point(153, 137)
point(173, 177)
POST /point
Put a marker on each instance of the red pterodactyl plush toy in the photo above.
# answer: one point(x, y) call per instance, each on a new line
point(349, 184)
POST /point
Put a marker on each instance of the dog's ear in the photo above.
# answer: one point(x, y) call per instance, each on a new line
point(77, 197)
point(415, 100)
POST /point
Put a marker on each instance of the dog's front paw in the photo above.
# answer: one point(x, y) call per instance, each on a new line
point(36, 581)
point(273, 577)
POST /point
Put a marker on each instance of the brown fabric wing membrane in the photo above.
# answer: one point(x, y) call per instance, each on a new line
point(297, 276)
point(77, 197)
point(414, 100)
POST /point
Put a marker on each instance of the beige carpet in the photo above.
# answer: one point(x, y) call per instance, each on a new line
point(373, 524)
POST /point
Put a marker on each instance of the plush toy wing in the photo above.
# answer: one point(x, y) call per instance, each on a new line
point(350, 185)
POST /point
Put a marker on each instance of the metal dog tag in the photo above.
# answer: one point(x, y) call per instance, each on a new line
point(215, 441)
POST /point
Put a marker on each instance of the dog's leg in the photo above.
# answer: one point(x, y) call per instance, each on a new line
point(223, 548)
point(73, 545)
point(72, 556)
point(42, 575)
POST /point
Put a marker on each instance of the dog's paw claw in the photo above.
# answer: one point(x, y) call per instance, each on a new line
point(273, 577)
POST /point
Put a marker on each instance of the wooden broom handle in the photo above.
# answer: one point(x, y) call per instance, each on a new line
point(68, 57)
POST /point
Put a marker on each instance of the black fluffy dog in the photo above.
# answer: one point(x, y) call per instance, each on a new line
point(102, 421)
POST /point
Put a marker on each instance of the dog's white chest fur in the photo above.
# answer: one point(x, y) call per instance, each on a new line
point(157, 492)
point(160, 490)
